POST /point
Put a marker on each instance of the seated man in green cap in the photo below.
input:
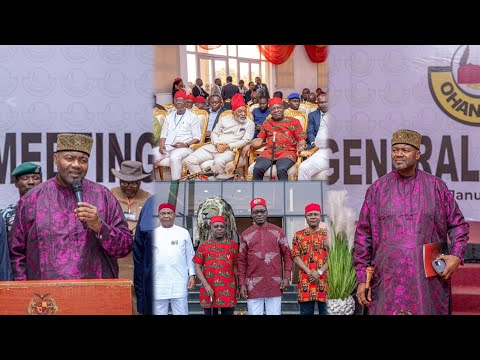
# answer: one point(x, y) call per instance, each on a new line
point(27, 175)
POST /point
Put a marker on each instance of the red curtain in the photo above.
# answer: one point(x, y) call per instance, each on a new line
point(317, 53)
point(276, 54)
point(209, 47)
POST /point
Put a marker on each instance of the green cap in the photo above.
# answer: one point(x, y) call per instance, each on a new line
point(27, 168)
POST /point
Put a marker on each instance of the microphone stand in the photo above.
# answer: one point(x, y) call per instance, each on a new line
point(273, 156)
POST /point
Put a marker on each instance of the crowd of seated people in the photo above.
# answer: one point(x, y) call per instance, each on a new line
point(211, 132)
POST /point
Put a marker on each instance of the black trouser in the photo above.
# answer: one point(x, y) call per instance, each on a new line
point(308, 308)
point(262, 164)
point(224, 311)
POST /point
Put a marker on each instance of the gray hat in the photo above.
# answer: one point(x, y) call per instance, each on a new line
point(130, 171)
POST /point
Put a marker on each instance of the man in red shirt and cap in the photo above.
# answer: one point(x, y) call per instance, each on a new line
point(264, 263)
point(230, 132)
point(216, 267)
point(309, 252)
point(289, 137)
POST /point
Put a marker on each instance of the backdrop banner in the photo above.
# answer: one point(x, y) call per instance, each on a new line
point(104, 91)
point(435, 90)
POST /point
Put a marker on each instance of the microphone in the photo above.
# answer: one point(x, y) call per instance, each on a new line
point(274, 136)
point(77, 190)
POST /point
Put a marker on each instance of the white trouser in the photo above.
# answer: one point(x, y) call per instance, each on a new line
point(209, 152)
point(313, 165)
point(179, 306)
point(273, 306)
point(176, 156)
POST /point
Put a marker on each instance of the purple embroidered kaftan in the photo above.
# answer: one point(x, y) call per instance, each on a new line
point(47, 242)
point(398, 216)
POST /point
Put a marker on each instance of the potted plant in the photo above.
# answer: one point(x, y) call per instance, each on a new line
point(341, 274)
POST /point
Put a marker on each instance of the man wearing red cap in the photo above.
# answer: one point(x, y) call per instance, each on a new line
point(173, 267)
point(216, 267)
point(200, 103)
point(289, 140)
point(264, 263)
point(190, 101)
point(231, 132)
point(180, 130)
point(309, 252)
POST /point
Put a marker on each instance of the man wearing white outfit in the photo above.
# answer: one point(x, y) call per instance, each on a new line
point(231, 132)
point(319, 160)
point(173, 266)
point(180, 130)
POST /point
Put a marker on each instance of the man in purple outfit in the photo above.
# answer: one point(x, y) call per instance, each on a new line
point(48, 240)
point(403, 210)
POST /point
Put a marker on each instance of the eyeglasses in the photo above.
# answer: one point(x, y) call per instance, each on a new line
point(259, 212)
point(131, 184)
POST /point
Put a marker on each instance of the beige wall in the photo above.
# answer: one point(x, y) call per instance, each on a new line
point(166, 68)
point(299, 72)
point(295, 74)
point(322, 75)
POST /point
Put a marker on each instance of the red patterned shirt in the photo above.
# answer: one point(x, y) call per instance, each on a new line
point(289, 133)
point(219, 260)
point(311, 247)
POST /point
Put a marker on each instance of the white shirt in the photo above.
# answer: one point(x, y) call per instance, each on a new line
point(211, 119)
point(321, 139)
point(180, 128)
point(322, 134)
point(172, 262)
point(233, 132)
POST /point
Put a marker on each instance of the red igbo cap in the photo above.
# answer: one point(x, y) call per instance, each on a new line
point(180, 94)
point(177, 79)
point(166, 206)
point(257, 201)
point(215, 219)
point(237, 101)
point(275, 100)
point(199, 99)
point(312, 207)
point(190, 97)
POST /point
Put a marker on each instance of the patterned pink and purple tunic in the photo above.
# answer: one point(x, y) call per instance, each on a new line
point(398, 216)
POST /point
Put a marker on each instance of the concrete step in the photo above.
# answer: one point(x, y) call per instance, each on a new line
point(287, 296)
point(289, 302)
point(288, 306)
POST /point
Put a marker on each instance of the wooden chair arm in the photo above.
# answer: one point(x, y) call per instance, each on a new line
point(238, 153)
point(308, 153)
point(199, 145)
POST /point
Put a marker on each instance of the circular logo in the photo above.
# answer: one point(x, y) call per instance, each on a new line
point(456, 88)
point(466, 69)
